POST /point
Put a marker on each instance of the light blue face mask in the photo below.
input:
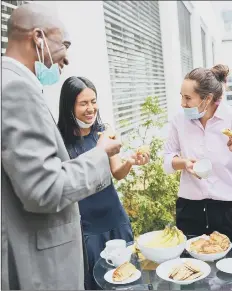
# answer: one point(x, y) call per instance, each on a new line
point(46, 76)
point(193, 113)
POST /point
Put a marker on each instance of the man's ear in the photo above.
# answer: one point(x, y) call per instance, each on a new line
point(38, 38)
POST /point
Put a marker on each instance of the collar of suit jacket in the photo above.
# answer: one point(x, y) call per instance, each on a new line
point(25, 69)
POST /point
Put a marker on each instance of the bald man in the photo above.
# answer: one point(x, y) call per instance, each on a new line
point(41, 233)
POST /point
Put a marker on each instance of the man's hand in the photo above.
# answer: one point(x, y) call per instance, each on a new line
point(189, 163)
point(230, 144)
point(139, 159)
point(110, 146)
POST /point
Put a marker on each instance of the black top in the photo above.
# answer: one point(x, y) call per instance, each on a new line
point(103, 210)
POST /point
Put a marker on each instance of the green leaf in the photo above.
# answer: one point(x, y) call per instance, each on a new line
point(148, 194)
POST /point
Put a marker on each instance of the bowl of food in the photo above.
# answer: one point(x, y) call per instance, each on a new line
point(162, 245)
point(183, 271)
point(209, 248)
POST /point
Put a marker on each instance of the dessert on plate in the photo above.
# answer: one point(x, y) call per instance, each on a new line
point(185, 271)
point(123, 272)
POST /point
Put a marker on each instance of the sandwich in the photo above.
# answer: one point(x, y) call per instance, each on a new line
point(227, 132)
point(145, 149)
point(185, 272)
point(123, 272)
point(109, 132)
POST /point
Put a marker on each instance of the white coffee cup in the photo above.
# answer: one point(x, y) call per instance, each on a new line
point(113, 244)
point(119, 256)
point(203, 168)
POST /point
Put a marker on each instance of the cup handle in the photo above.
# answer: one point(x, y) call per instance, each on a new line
point(107, 260)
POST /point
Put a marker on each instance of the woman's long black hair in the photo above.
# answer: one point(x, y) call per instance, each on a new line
point(67, 123)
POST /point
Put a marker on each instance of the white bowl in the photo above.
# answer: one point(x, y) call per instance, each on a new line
point(159, 255)
point(203, 168)
point(164, 269)
point(205, 257)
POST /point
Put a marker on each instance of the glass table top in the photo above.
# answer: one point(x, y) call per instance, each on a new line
point(216, 280)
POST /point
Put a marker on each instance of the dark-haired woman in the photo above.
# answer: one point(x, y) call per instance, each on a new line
point(102, 215)
point(204, 205)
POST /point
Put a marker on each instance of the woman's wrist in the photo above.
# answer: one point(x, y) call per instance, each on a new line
point(129, 163)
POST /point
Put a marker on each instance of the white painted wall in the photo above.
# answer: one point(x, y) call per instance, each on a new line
point(171, 54)
point(88, 57)
point(213, 23)
point(202, 14)
point(226, 56)
point(88, 52)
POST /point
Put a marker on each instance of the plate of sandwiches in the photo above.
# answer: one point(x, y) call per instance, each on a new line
point(183, 271)
point(124, 274)
point(209, 248)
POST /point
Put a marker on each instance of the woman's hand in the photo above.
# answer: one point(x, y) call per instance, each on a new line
point(230, 143)
point(189, 163)
point(139, 159)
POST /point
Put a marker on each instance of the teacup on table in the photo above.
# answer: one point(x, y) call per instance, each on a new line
point(113, 244)
point(203, 168)
point(118, 257)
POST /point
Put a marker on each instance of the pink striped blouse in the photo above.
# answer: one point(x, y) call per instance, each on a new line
point(188, 139)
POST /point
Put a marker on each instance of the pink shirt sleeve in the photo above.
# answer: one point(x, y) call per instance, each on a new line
point(171, 148)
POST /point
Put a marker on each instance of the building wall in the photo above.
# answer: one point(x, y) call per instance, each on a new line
point(202, 15)
point(88, 53)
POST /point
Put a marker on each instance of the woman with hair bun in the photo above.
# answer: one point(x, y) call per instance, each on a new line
point(221, 68)
point(203, 205)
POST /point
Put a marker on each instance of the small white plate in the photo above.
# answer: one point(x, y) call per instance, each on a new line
point(103, 255)
point(109, 277)
point(225, 265)
point(165, 268)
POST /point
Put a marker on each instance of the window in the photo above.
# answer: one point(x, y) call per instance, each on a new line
point(185, 38)
point(227, 18)
point(229, 88)
point(229, 97)
point(213, 53)
point(135, 56)
point(229, 79)
point(203, 47)
point(7, 9)
point(4, 8)
point(4, 33)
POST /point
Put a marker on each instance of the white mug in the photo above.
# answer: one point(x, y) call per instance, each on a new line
point(114, 244)
point(203, 168)
point(119, 257)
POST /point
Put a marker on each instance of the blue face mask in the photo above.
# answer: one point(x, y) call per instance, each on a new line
point(46, 76)
point(193, 113)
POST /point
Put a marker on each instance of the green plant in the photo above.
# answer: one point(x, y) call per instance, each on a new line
point(148, 194)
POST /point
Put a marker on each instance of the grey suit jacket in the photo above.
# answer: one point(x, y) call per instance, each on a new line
point(41, 236)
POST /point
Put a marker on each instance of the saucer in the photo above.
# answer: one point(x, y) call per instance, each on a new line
point(225, 265)
point(103, 255)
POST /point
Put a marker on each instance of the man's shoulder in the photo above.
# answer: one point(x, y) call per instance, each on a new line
point(9, 75)
point(12, 80)
point(14, 71)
